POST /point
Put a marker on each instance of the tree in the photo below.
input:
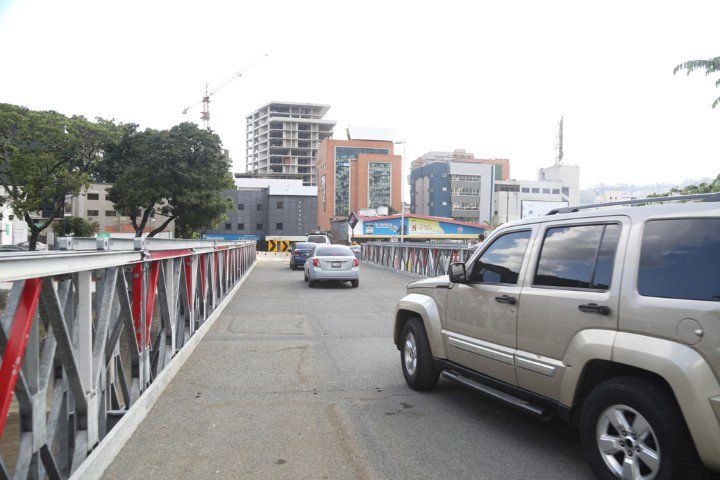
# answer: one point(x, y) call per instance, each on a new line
point(75, 227)
point(713, 186)
point(179, 173)
point(711, 65)
point(46, 157)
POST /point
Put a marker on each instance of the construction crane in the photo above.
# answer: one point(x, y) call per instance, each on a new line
point(205, 115)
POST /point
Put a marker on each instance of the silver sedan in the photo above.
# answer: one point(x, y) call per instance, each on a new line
point(332, 262)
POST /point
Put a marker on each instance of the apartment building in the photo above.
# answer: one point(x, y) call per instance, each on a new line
point(283, 138)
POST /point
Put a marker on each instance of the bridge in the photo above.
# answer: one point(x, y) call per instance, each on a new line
point(175, 359)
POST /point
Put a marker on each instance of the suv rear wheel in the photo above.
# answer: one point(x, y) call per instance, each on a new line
point(416, 357)
point(631, 428)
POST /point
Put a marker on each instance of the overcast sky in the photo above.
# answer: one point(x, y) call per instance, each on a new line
point(492, 78)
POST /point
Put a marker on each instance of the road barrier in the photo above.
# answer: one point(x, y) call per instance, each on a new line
point(423, 259)
point(86, 330)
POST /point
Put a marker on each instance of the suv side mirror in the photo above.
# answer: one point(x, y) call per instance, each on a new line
point(457, 273)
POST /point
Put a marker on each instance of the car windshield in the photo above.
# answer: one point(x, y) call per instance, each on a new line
point(333, 251)
point(304, 246)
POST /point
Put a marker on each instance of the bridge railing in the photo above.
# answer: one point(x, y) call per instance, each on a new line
point(84, 331)
point(423, 259)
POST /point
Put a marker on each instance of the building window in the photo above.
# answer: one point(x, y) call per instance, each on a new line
point(535, 190)
point(444, 174)
point(379, 181)
point(465, 178)
point(546, 190)
point(241, 206)
point(565, 191)
point(109, 213)
point(556, 191)
point(279, 205)
point(93, 213)
point(444, 203)
point(278, 226)
point(444, 189)
point(507, 188)
point(241, 226)
point(93, 196)
point(259, 226)
point(259, 206)
point(525, 190)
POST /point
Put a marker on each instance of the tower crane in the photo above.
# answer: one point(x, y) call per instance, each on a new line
point(205, 115)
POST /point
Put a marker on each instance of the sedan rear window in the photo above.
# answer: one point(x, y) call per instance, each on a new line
point(680, 258)
point(333, 251)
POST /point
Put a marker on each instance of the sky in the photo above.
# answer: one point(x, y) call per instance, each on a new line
point(493, 78)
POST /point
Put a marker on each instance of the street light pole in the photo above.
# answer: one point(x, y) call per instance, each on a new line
point(402, 191)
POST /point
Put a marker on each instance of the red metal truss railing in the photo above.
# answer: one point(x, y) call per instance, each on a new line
point(84, 333)
point(423, 259)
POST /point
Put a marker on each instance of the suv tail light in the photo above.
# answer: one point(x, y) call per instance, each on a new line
point(356, 263)
point(316, 262)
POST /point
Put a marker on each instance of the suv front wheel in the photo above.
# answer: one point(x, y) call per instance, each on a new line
point(631, 428)
point(416, 357)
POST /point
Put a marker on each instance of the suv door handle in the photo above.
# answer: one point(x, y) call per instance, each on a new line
point(594, 308)
point(506, 299)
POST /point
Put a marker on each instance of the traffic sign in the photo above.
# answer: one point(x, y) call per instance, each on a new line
point(352, 220)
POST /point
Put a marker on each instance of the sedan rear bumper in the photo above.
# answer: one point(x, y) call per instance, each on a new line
point(315, 273)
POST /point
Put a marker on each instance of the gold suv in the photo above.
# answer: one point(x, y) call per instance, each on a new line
point(606, 315)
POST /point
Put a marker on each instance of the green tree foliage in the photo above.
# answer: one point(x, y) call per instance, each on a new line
point(178, 173)
point(704, 187)
point(711, 65)
point(75, 227)
point(45, 157)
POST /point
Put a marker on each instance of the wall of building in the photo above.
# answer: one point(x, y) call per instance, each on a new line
point(485, 173)
point(430, 190)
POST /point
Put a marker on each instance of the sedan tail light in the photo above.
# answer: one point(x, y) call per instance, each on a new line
point(356, 263)
point(295, 254)
point(316, 262)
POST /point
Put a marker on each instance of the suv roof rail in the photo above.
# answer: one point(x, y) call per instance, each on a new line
point(705, 197)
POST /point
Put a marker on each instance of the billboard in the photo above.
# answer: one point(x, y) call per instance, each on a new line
point(537, 208)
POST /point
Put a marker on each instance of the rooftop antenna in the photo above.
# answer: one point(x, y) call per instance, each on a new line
point(559, 144)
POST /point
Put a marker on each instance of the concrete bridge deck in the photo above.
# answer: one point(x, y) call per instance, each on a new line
point(294, 382)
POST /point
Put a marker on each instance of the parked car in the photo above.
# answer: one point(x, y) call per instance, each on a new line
point(318, 239)
point(299, 254)
point(356, 249)
point(332, 262)
point(13, 248)
point(605, 317)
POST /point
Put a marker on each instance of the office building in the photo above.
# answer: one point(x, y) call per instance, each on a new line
point(268, 207)
point(455, 185)
point(283, 138)
point(355, 175)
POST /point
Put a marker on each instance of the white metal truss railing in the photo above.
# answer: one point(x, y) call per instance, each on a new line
point(81, 338)
point(425, 259)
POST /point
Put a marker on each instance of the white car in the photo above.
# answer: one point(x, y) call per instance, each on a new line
point(332, 262)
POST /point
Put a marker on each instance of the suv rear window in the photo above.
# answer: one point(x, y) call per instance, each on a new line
point(317, 239)
point(578, 257)
point(680, 259)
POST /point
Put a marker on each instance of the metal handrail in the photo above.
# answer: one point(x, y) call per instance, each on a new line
point(91, 331)
point(421, 259)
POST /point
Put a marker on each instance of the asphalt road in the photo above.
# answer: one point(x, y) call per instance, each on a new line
point(296, 382)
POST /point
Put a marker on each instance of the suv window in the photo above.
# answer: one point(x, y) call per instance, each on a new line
point(679, 259)
point(578, 257)
point(318, 239)
point(502, 260)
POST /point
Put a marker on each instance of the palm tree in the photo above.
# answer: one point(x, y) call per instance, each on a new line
point(711, 65)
